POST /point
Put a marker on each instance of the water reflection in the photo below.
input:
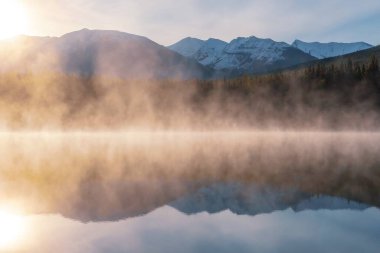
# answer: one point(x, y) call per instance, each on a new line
point(195, 192)
point(252, 200)
point(168, 230)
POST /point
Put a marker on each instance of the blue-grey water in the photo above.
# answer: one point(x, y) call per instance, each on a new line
point(190, 192)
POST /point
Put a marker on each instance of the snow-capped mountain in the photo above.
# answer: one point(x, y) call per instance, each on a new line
point(332, 49)
point(210, 51)
point(98, 52)
point(261, 49)
point(252, 54)
point(242, 55)
point(187, 46)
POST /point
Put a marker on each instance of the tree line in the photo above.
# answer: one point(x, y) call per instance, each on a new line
point(345, 70)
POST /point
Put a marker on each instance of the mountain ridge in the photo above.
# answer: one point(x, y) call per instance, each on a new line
point(120, 54)
point(98, 52)
point(330, 49)
point(243, 55)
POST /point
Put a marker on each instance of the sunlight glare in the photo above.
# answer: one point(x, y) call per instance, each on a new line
point(13, 19)
point(12, 228)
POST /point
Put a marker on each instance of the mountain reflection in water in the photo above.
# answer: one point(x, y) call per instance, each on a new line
point(122, 178)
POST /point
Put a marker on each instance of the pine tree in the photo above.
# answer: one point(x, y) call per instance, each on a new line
point(349, 66)
point(357, 72)
point(364, 71)
point(373, 66)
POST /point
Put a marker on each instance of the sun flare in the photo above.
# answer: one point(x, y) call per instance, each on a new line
point(12, 228)
point(13, 19)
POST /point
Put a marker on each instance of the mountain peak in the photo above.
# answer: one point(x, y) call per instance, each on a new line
point(213, 40)
point(187, 46)
point(97, 31)
point(99, 36)
point(255, 46)
point(241, 55)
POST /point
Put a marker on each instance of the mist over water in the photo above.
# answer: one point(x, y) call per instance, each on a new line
point(85, 148)
point(72, 103)
point(91, 176)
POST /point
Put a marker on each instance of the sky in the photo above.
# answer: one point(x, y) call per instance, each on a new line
point(167, 21)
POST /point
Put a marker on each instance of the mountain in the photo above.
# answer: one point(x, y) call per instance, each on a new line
point(249, 55)
point(208, 54)
point(358, 58)
point(253, 55)
point(123, 55)
point(187, 47)
point(98, 52)
point(332, 49)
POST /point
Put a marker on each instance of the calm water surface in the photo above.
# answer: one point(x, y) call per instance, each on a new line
point(190, 192)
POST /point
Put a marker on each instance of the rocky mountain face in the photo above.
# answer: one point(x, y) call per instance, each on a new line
point(249, 55)
point(253, 55)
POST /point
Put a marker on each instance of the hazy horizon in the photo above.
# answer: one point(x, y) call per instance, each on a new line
point(166, 22)
point(204, 39)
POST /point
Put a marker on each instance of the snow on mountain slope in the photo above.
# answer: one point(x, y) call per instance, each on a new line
point(187, 47)
point(242, 55)
point(332, 49)
point(242, 51)
point(210, 52)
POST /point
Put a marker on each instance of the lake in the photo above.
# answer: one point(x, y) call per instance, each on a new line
point(190, 192)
